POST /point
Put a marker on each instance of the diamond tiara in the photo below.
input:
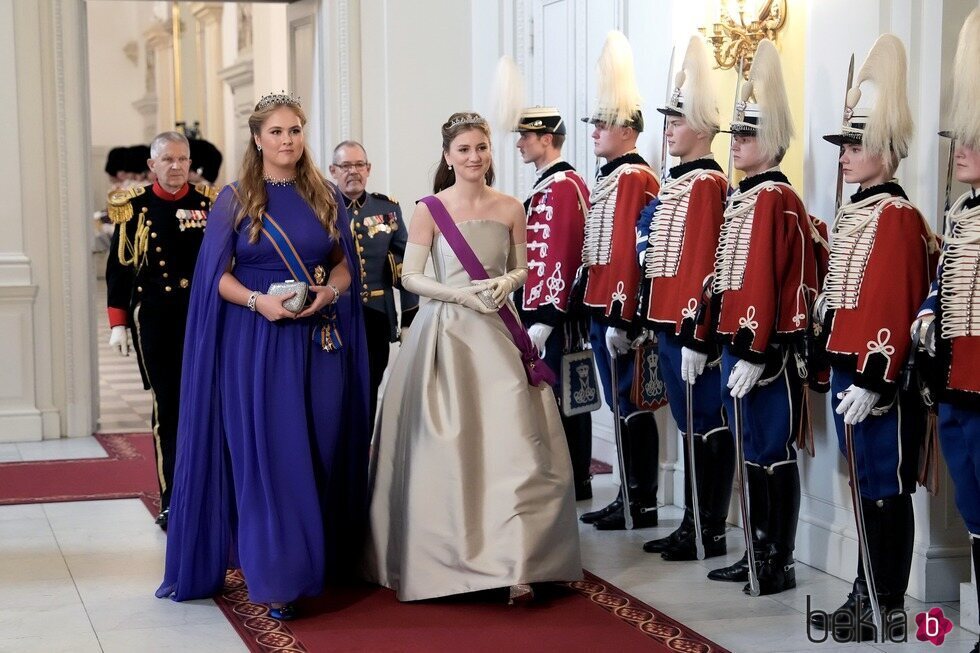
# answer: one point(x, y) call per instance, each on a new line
point(467, 119)
point(282, 97)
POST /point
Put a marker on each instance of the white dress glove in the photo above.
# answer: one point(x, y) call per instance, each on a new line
point(415, 281)
point(119, 340)
point(503, 286)
point(856, 404)
point(617, 342)
point(539, 335)
point(743, 378)
point(927, 337)
point(692, 364)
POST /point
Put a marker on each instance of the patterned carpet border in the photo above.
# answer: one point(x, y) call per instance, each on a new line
point(264, 635)
point(260, 633)
point(649, 621)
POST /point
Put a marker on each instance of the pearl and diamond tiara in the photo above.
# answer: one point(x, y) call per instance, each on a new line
point(280, 98)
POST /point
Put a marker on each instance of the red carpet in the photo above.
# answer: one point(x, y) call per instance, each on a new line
point(127, 473)
point(588, 615)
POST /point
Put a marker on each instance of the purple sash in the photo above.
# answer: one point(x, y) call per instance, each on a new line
point(537, 371)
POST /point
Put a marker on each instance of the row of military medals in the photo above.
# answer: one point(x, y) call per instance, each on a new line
point(191, 219)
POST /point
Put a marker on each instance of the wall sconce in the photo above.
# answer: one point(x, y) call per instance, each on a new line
point(741, 25)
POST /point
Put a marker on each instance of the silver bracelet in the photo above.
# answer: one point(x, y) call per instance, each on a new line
point(336, 293)
point(251, 300)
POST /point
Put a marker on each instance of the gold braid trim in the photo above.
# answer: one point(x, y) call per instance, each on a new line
point(133, 253)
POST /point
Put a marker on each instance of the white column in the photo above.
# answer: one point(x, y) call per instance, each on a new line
point(213, 124)
point(159, 37)
point(239, 78)
point(47, 386)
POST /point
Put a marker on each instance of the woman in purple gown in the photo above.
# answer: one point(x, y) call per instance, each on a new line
point(273, 434)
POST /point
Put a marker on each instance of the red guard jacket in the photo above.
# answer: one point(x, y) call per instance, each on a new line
point(956, 296)
point(556, 214)
point(680, 253)
point(623, 187)
point(765, 268)
point(882, 261)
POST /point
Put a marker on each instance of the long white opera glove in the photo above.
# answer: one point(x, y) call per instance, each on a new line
point(415, 281)
point(516, 275)
point(119, 340)
point(692, 364)
point(743, 378)
point(617, 342)
point(539, 335)
point(927, 336)
point(856, 404)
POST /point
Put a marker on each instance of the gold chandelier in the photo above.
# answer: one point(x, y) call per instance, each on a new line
point(741, 25)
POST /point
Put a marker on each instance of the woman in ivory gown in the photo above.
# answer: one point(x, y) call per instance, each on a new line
point(471, 477)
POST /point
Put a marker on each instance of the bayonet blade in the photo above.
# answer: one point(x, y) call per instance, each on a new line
point(840, 167)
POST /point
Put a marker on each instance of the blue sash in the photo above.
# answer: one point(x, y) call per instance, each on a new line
point(329, 334)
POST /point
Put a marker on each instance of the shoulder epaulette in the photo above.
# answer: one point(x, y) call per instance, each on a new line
point(207, 190)
point(384, 198)
point(119, 204)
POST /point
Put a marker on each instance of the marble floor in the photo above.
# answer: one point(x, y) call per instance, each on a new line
point(79, 577)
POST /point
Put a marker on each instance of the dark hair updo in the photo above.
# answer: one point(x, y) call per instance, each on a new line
point(458, 123)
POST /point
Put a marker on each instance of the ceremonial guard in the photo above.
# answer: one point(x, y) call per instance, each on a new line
point(154, 248)
point(624, 185)
point(882, 257)
point(678, 236)
point(765, 282)
point(948, 327)
point(379, 238)
point(556, 211)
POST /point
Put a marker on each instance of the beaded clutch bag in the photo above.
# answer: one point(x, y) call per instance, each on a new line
point(294, 304)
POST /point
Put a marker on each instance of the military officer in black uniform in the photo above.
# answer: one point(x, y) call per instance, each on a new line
point(158, 233)
point(379, 236)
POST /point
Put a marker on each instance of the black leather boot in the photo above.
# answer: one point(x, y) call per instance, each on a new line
point(889, 524)
point(616, 507)
point(686, 527)
point(612, 508)
point(640, 431)
point(578, 434)
point(859, 591)
point(759, 515)
point(777, 571)
point(715, 460)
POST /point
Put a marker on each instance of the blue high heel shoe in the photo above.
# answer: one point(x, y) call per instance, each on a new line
point(285, 612)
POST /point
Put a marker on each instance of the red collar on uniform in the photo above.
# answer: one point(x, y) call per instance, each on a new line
point(163, 194)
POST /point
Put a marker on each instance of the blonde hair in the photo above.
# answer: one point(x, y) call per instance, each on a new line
point(311, 185)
